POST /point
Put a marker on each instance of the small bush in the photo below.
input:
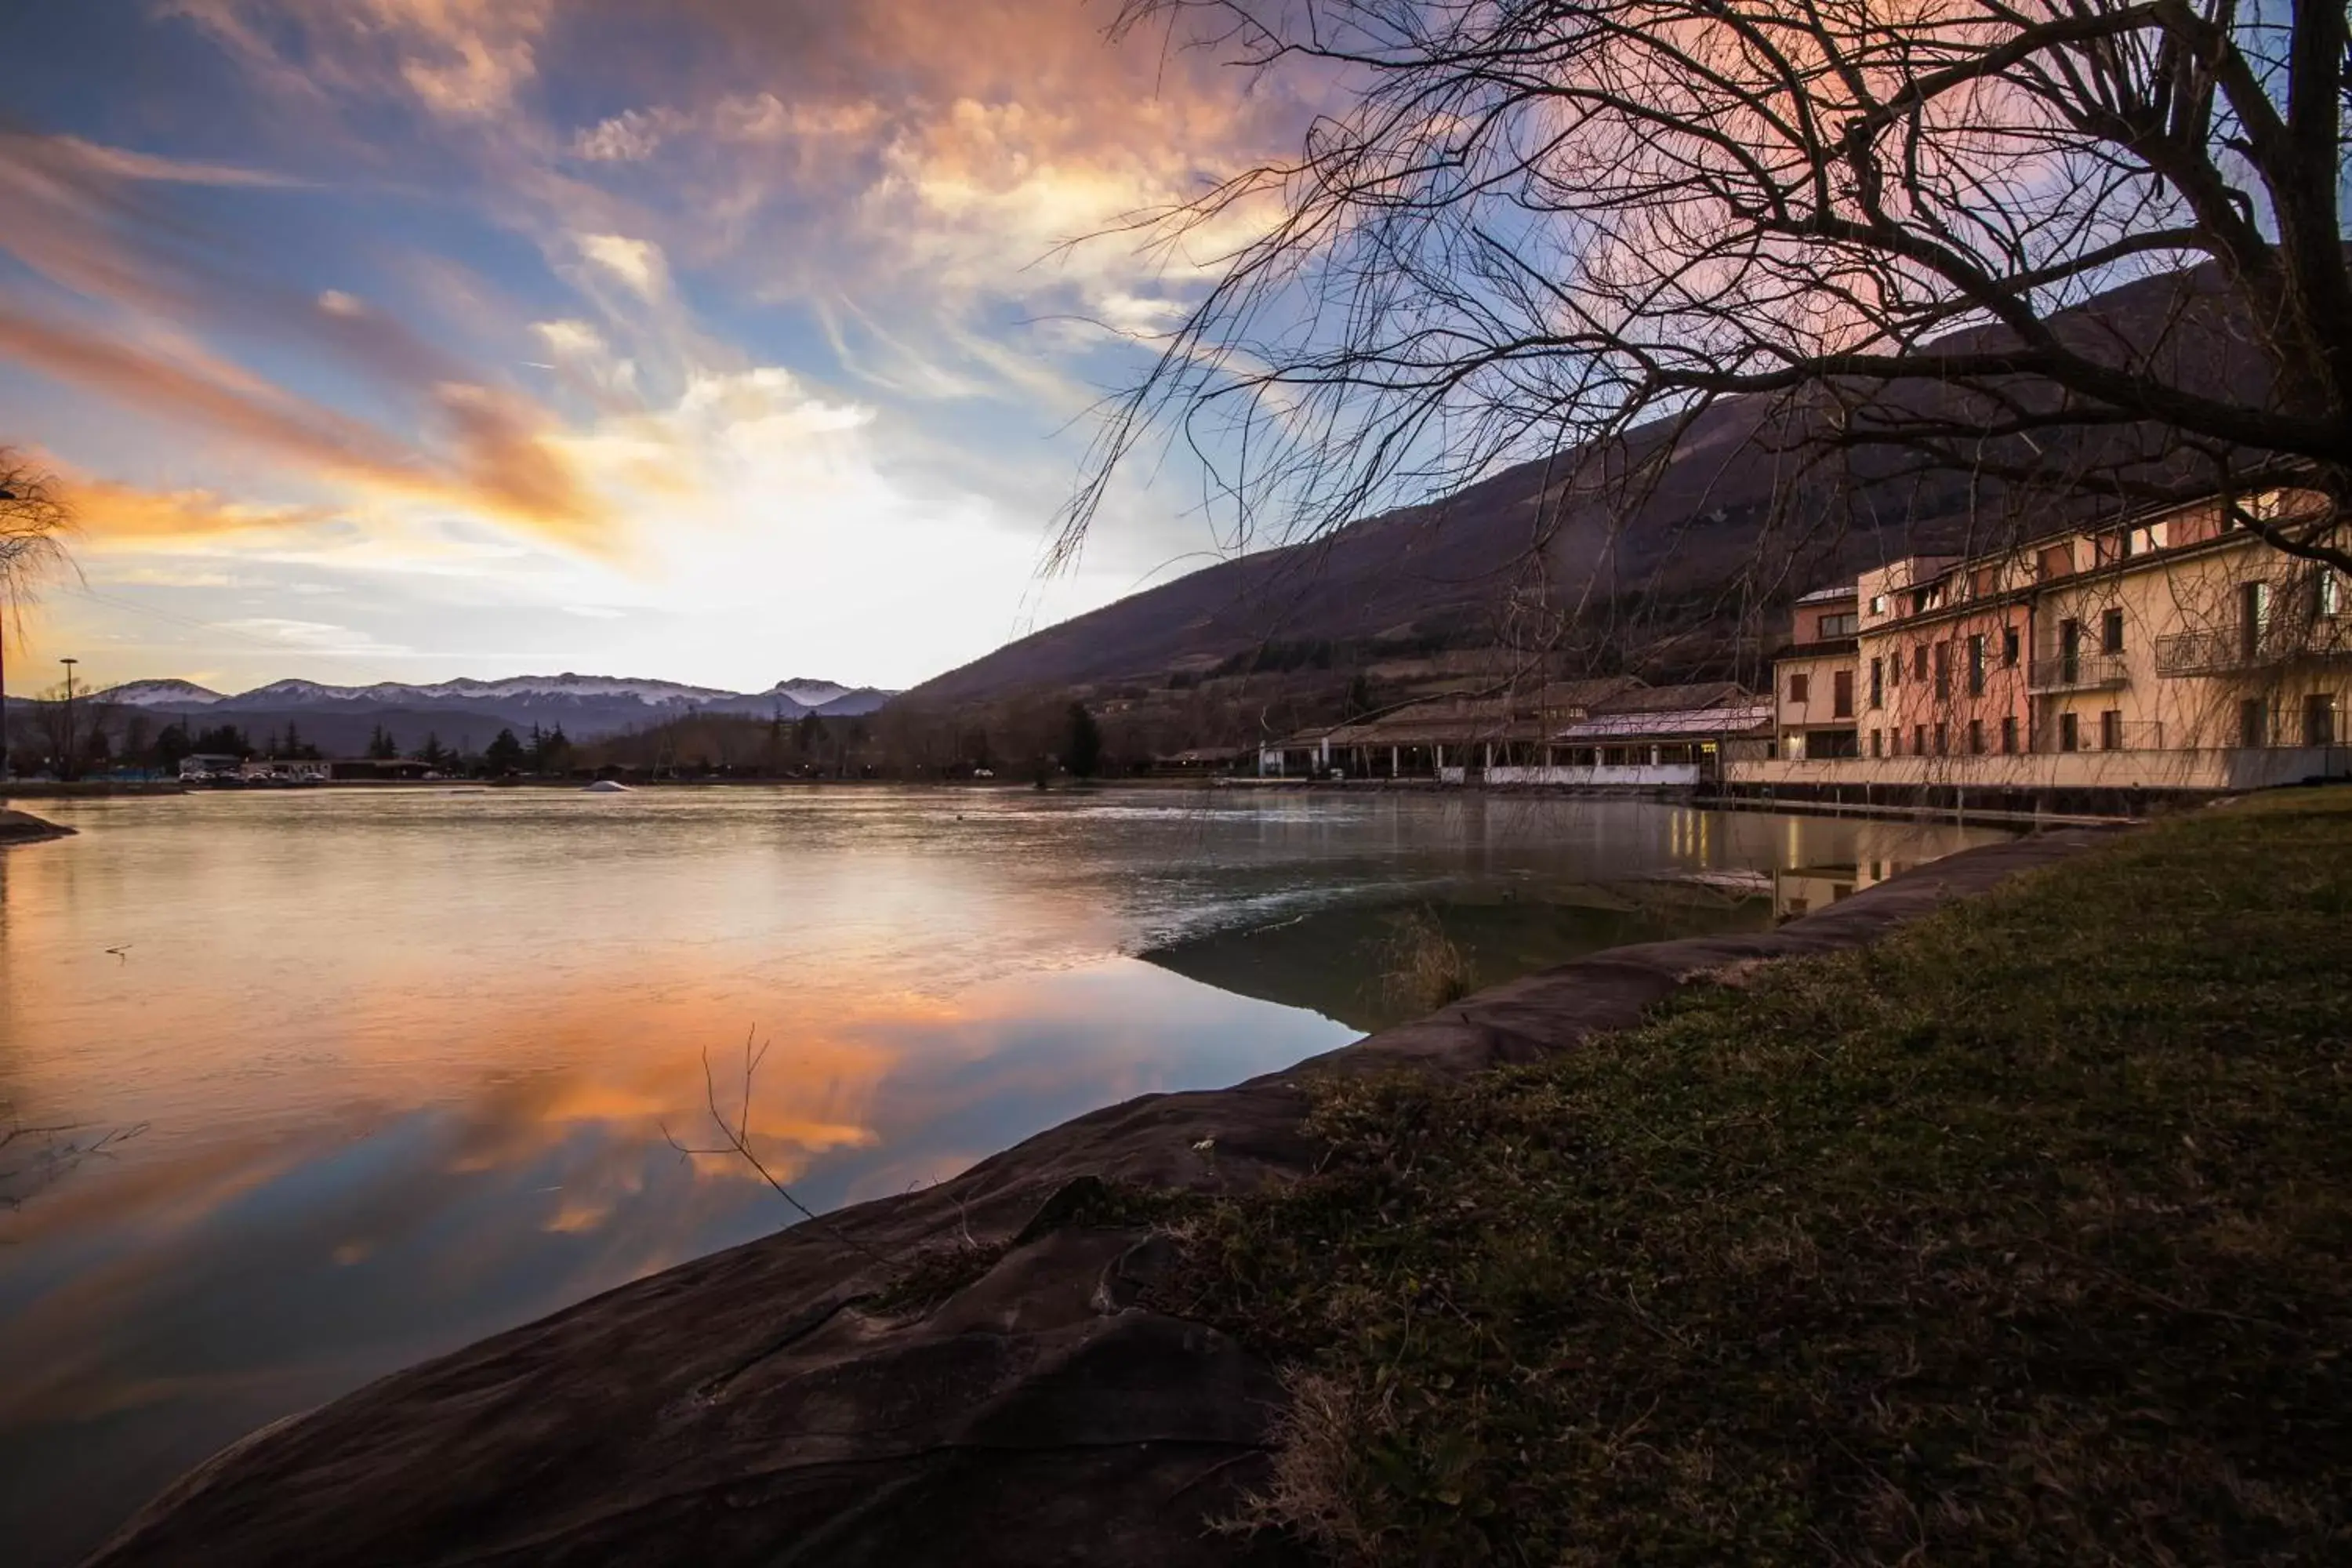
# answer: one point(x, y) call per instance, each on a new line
point(1423, 969)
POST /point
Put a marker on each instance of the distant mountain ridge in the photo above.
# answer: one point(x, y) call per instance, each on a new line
point(585, 706)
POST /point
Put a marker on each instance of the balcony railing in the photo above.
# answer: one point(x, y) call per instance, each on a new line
point(2080, 673)
point(2281, 640)
point(2091, 735)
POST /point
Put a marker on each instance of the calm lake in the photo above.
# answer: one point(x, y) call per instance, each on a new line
point(400, 1063)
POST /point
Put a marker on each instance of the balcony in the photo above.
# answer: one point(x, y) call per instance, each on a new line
point(2079, 672)
point(2093, 734)
point(2235, 649)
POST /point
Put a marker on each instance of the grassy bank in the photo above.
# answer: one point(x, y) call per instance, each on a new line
point(2025, 1236)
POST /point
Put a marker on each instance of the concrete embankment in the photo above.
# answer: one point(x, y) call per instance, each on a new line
point(23, 827)
point(795, 1401)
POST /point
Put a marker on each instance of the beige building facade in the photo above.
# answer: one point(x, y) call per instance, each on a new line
point(2165, 650)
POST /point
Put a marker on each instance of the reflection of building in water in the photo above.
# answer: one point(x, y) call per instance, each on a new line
point(1881, 850)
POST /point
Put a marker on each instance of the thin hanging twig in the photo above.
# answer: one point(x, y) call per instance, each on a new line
point(737, 1136)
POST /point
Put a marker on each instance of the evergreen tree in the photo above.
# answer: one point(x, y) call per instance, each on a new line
point(225, 741)
point(382, 747)
point(504, 755)
point(1082, 753)
point(549, 752)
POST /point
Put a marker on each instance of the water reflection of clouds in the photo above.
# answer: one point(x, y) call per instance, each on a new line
point(546, 1184)
point(408, 1057)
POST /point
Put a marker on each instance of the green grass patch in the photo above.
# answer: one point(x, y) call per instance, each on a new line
point(2020, 1237)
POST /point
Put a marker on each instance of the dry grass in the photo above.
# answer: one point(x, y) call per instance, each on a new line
point(2025, 1236)
point(1423, 969)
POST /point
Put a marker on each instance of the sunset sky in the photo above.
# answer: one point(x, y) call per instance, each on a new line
point(714, 340)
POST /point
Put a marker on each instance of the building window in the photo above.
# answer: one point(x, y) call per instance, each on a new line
point(1799, 688)
point(1878, 684)
point(1976, 737)
point(2331, 593)
point(2253, 723)
point(2009, 736)
point(1878, 604)
point(2009, 648)
point(1842, 694)
point(1976, 665)
point(1877, 746)
point(2319, 719)
point(2111, 730)
point(1943, 670)
point(2111, 631)
point(2254, 617)
point(1844, 625)
point(1919, 662)
point(1940, 747)
point(1918, 740)
point(2070, 651)
point(2070, 733)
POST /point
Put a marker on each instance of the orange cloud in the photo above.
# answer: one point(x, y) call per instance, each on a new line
point(109, 513)
point(506, 464)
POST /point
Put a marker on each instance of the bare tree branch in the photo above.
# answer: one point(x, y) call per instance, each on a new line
point(1548, 226)
point(737, 1136)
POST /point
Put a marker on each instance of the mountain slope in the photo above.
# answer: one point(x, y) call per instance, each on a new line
point(1657, 577)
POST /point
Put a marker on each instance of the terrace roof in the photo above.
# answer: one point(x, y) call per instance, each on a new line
point(1670, 724)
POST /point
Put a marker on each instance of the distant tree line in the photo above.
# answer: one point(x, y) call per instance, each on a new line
point(92, 738)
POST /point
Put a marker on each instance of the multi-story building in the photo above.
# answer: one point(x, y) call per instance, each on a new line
point(2166, 650)
point(1815, 699)
point(1942, 658)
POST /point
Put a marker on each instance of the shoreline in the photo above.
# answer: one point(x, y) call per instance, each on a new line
point(768, 1394)
point(23, 827)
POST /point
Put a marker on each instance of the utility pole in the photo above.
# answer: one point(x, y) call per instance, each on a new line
point(66, 763)
point(6, 495)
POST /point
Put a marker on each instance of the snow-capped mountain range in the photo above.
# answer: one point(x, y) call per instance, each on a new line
point(586, 706)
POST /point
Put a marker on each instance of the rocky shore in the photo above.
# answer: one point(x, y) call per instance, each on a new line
point(796, 1400)
point(23, 827)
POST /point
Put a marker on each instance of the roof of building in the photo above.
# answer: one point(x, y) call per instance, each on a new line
point(1670, 699)
point(1528, 713)
point(1671, 724)
point(1831, 594)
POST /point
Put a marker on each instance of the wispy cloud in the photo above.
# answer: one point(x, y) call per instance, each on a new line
point(501, 460)
point(786, 292)
point(315, 637)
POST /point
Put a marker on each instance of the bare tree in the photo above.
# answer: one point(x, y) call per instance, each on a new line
point(1859, 234)
point(33, 521)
